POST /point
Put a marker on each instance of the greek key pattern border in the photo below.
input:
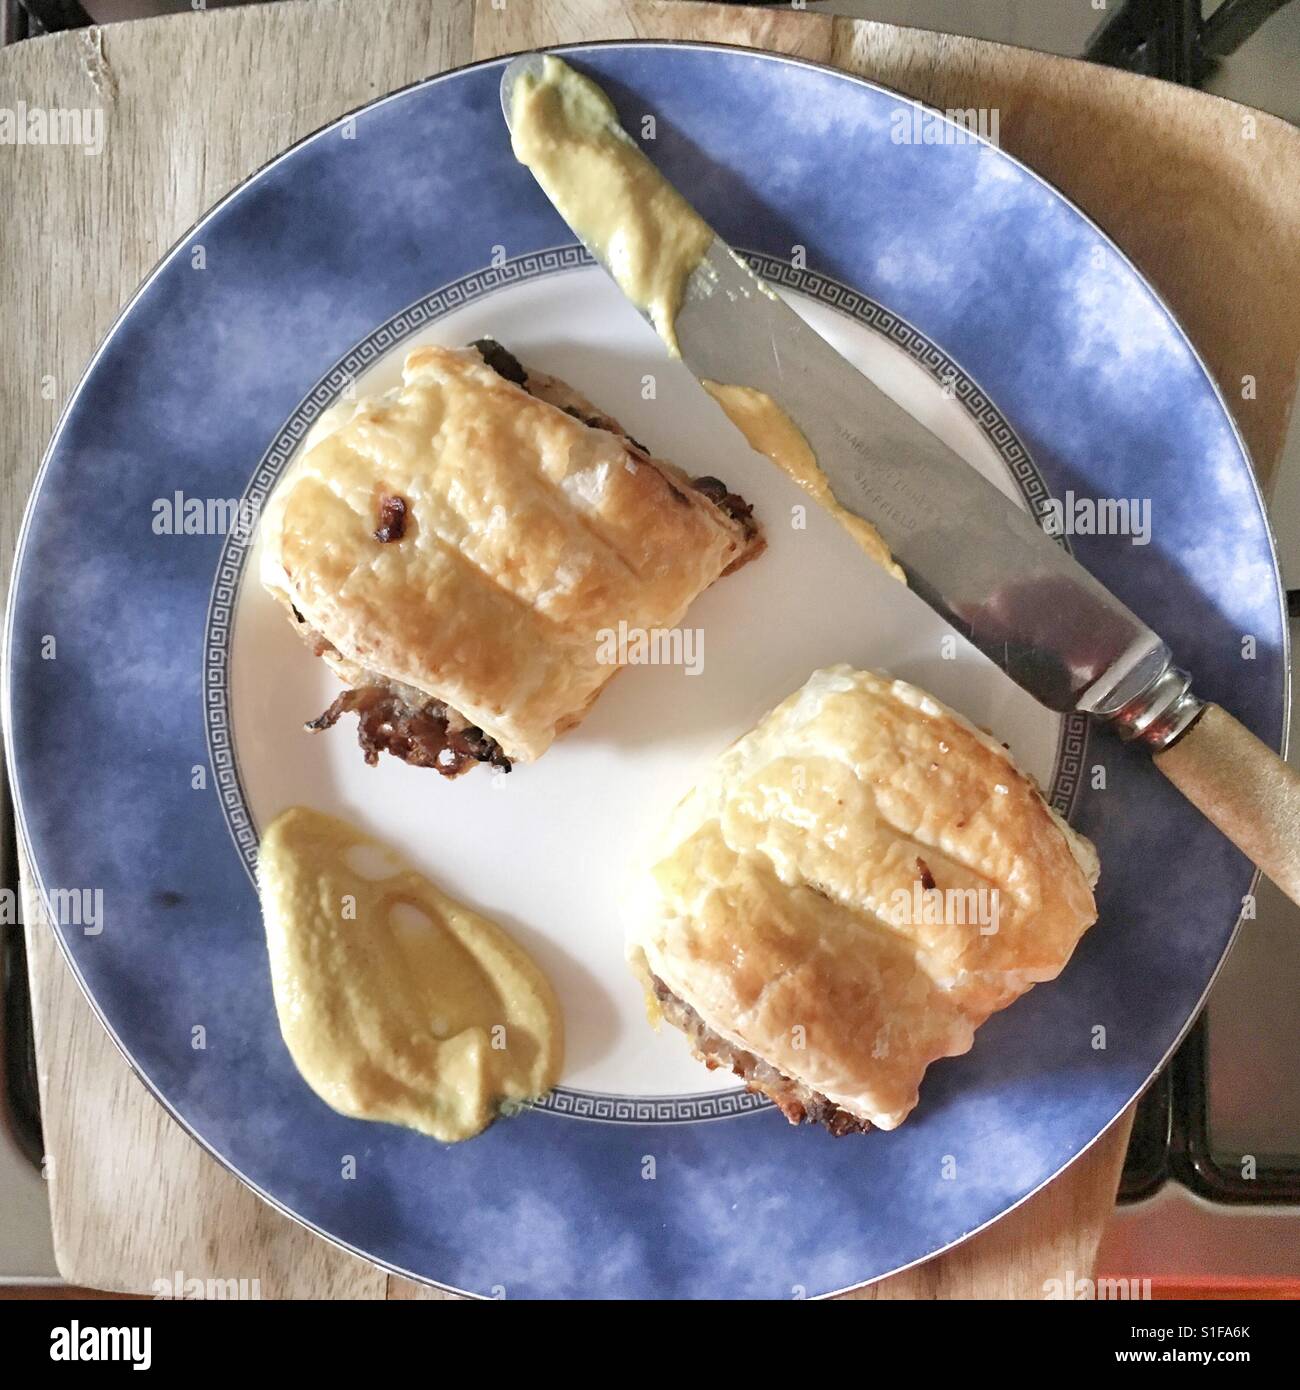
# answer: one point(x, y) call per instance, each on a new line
point(468, 289)
point(649, 1110)
point(992, 423)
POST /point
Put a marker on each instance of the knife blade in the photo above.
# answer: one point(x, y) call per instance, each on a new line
point(980, 561)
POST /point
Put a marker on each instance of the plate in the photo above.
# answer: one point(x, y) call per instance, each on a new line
point(156, 696)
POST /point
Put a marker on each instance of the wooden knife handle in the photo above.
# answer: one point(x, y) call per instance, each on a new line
point(1243, 787)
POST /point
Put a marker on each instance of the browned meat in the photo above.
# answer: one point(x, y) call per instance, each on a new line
point(424, 733)
point(797, 1102)
point(392, 519)
point(428, 735)
point(732, 503)
point(502, 361)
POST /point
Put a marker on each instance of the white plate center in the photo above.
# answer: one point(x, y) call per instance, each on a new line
point(550, 850)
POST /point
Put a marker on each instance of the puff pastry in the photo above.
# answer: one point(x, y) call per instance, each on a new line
point(455, 549)
point(854, 887)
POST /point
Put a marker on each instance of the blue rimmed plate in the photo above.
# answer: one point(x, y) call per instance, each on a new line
point(952, 275)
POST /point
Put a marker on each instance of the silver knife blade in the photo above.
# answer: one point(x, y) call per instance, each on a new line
point(980, 561)
point(974, 556)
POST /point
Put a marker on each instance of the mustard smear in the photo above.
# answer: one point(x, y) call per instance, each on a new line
point(397, 1003)
point(770, 431)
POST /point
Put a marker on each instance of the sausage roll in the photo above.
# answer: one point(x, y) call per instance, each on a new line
point(854, 887)
point(457, 547)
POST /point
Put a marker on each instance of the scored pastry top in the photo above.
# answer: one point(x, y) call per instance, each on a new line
point(856, 885)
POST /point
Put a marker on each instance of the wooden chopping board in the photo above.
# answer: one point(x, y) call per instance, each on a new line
point(196, 103)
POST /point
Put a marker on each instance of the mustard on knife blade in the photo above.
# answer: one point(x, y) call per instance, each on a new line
point(565, 129)
point(771, 431)
point(397, 1003)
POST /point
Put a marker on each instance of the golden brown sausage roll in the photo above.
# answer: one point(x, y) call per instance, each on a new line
point(456, 549)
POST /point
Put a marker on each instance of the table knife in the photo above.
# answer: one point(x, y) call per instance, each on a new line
point(981, 562)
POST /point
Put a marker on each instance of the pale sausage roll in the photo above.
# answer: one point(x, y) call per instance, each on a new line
point(854, 887)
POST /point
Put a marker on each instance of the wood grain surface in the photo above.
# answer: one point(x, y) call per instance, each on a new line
point(196, 103)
